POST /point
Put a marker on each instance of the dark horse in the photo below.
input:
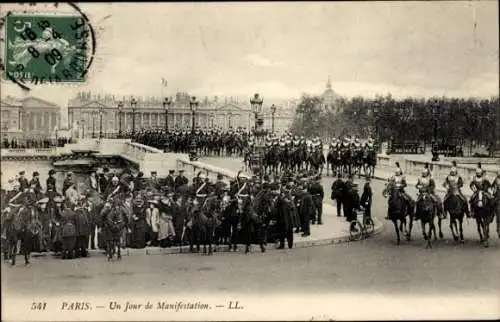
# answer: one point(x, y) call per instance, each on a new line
point(21, 224)
point(369, 162)
point(426, 211)
point(482, 206)
point(398, 210)
point(455, 207)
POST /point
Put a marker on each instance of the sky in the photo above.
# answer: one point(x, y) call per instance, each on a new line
point(282, 50)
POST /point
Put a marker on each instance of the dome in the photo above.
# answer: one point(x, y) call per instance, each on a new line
point(329, 96)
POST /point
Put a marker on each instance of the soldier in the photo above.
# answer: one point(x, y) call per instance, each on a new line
point(68, 182)
point(426, 184)
point(68, 233)
point(35, 183)
point(82, 232)
point(306, 210)
point(51, 182)
point(181, 180)
point(169, 180)
point(399, 182)
point(23, 182)
point(338, 192)
point(455, 182)
point(317, 193)
point(104, 180)
point(154, 182)
point(220, 185)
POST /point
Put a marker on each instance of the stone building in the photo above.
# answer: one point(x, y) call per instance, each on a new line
point(330, 98)
point(29, 118)
point(86, 110)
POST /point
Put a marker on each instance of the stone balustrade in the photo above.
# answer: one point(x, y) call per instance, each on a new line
point(211, 171)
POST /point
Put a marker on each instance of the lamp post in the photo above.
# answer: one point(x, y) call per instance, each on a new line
point(101, 112)
point(273, 113)
point(83, 128)
point(166, 105)
point(375, 113)
point(435, 116)
point(120, 112)
point(259, 135)
point(133, 104)
point(94, 115)
point(193, 103)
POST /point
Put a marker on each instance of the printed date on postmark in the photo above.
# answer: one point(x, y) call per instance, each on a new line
point(47, 48)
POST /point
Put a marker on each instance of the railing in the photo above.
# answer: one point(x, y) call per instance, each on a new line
point(209, 170)
point(28, 152)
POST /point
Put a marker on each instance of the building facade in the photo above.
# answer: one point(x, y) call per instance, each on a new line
point(29, 118)
point(91, 114)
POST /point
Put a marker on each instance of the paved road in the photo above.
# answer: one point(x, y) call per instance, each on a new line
point(375, 266)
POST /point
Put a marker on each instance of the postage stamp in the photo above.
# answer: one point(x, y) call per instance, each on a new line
point(42, 48)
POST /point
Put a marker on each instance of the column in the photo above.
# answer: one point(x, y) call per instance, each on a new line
point(150, 121)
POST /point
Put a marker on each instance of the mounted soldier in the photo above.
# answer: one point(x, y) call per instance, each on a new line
point(398, 181)
point(426, 184)
point(454, 183)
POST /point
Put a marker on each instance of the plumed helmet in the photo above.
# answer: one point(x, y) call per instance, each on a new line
point(425, 172)
point(399, 172)
point(453, 171)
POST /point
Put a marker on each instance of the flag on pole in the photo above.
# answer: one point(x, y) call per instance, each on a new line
point(163, 82)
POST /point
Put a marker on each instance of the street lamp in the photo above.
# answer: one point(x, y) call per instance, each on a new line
point(375, 114)
point(94, 115)
point(193, 103)
point(260, 134)
point(133, 104)
point(101, 112)
point(435, 115)
point(166, 105)
point(83, 128)
point(273, 113)
point(120, 112)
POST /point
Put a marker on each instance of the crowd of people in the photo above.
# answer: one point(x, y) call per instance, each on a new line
point(165, 212)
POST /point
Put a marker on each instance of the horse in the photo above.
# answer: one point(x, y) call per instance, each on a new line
point(21, 224)
point(114, 223)
point(454, 206)
point(209, 222)
point(226, 233)
point(482, 206)
point(358, 161)
point(345, 160)
point(397, 210)
point(426, 211)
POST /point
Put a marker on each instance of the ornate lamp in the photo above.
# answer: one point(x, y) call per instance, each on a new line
point(166, 105)
point(193, 103)
point(120, 112)
point(260, 134)
point(133, 104)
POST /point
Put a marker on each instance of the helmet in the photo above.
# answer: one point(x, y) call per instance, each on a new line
point(425, 172)
point(399, 172)
point(479, 172)
point(453, 171)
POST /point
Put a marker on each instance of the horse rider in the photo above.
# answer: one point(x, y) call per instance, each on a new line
point(399, 182)
point(480, 183)
point(454, 182)
point(426, 184)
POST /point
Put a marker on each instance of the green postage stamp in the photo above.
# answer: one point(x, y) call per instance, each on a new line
point(46, 48)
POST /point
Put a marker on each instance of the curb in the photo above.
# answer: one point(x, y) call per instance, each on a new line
point(345, 238)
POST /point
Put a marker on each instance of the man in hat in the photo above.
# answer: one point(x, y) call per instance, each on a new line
point(338, 192)
point(351, 201)
point(23, 182)
point(169, 179)
point(181, 180)
point(285, 219)
point(45, 218)
point(68, 232)
point(51, 181)
point(306, 210)
point(366, 198)
point(220, 185)
point(104, 180)
point(68, 182)
point(82, 234)
point(35, 183)
point(317, 193)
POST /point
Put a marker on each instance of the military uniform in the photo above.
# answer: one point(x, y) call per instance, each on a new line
point(317, 193)
point(454, 183)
